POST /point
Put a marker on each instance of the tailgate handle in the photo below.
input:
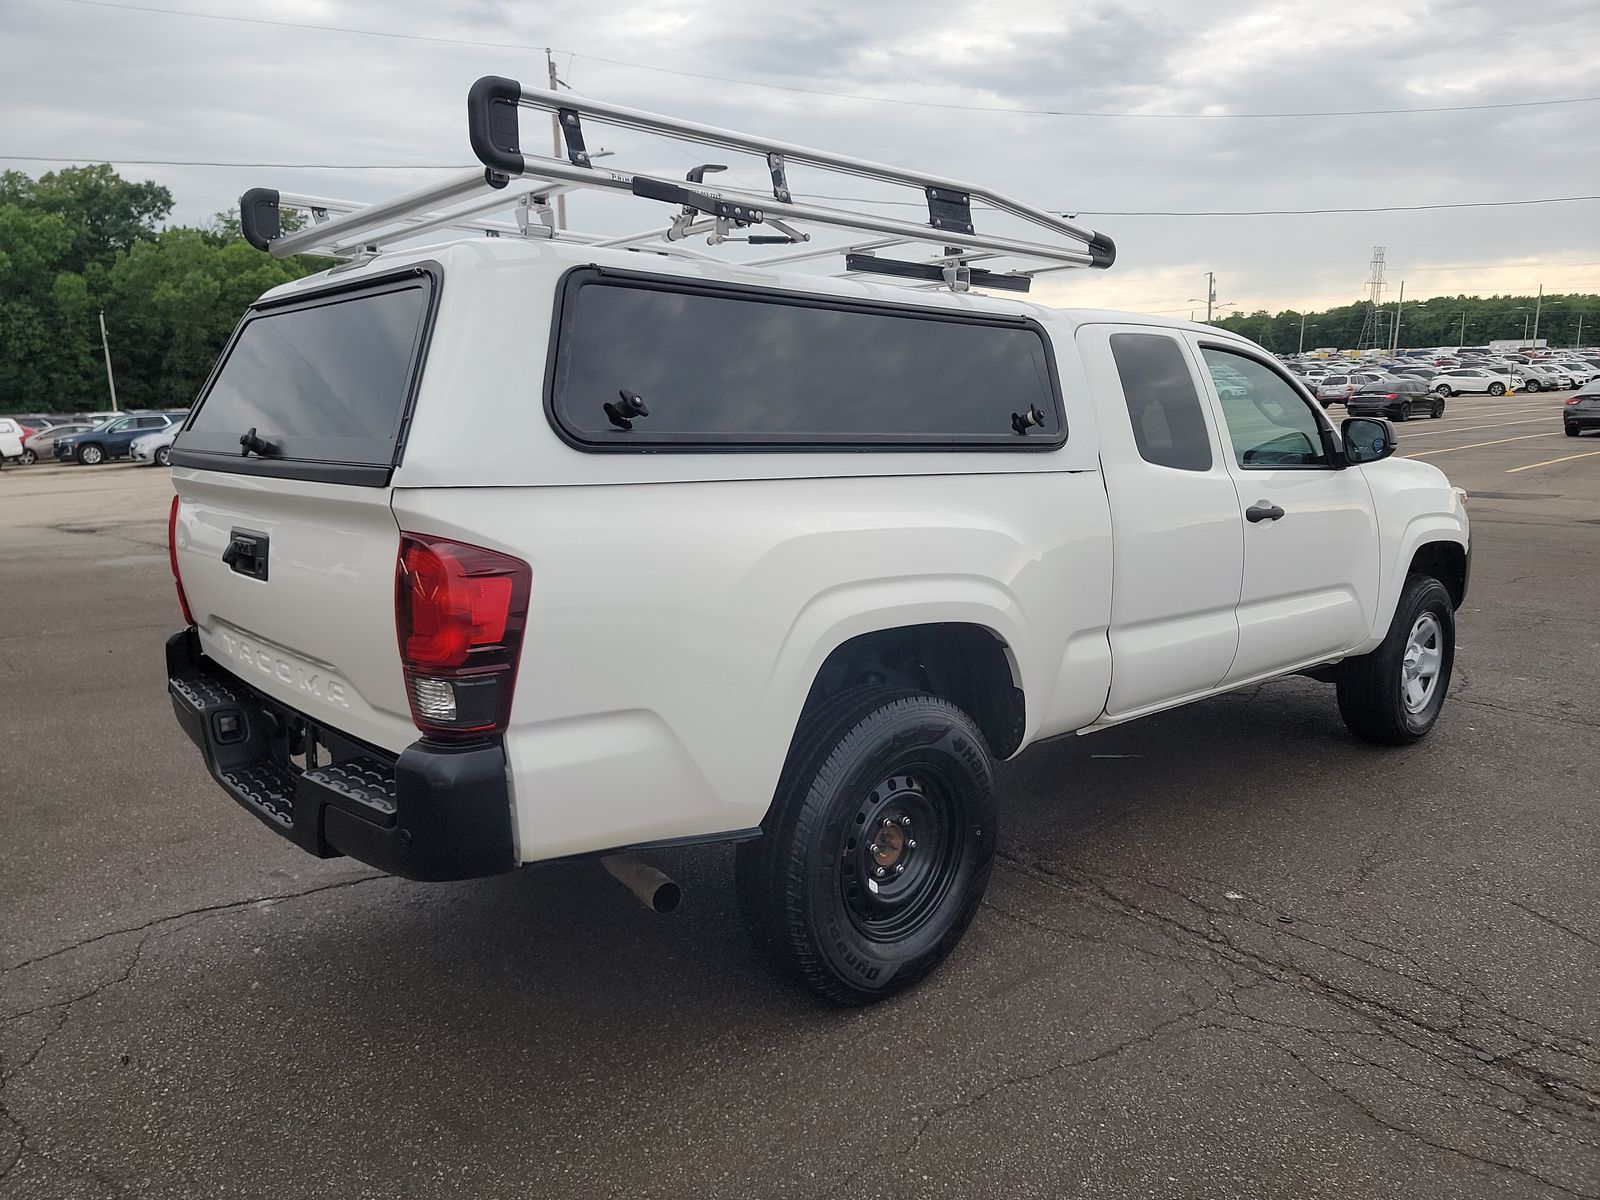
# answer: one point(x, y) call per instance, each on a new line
point(247, 553)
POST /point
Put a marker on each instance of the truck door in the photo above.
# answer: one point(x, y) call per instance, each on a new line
point(1177, 531)
point(1310, 534)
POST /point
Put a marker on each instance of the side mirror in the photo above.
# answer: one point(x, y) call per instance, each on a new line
point(1367, 440)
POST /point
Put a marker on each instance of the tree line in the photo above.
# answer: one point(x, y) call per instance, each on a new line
point(1436, 321)
point(82, 240)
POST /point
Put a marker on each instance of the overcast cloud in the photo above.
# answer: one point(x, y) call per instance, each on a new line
point(98, 83)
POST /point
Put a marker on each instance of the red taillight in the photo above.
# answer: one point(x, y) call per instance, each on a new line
point(1392, 396)
point(1575, 399)
point(459, 613)
point(172, 557)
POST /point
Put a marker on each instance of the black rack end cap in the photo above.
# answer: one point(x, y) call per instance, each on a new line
point(492, 126)
point(258, 217)
point(1102, 251)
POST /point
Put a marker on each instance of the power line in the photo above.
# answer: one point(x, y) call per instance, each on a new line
point(805, 91)
point(1260, 212)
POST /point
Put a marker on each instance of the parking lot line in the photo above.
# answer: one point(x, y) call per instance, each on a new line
point(1471, 428)
point(1550, 462)
point(1526, 437)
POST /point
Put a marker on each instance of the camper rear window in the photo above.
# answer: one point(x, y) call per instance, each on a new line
point(642, 362)
point(326, 380)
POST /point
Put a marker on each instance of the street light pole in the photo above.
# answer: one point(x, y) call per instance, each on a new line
point(1394, 341)
point(1211, 293)
point(1302, 349)
point(105, 345)
point(1537, 305)
point(1462, 340)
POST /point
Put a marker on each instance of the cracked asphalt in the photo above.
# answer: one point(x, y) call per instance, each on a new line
point(1228, 952)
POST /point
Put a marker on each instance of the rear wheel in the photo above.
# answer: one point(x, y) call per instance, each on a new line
point(1572, 430)
point(1497, 389)
point(1393, 695)
point(1404, 411)
point(878, 845)
point(1438, 409)
point(1443, 390)
point(91, 455)
point(29, 458)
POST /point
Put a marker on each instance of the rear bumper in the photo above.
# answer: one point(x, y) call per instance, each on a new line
point(436, 812)
point(1583, 420)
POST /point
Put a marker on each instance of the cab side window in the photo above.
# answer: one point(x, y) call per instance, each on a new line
point(1269, 423)
point(1169, 425)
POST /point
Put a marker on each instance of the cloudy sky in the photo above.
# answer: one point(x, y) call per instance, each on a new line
point(91, 81)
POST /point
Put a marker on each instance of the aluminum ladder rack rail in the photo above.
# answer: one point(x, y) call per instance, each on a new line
point(341, 229)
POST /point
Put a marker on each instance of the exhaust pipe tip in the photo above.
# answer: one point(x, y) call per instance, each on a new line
point(653, 888)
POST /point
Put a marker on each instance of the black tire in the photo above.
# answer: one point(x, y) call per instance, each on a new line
point(1404, 413)
point(1443, 390)
point(91, 454)
point(1532, 385)
point(1372, 687)
point(1572, 430)
point(860, 761)
point(163, 456)
point(29, 457)
point(1497, 389)
point(1437, 410)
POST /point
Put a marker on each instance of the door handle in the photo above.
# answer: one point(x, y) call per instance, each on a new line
point(1262, 510)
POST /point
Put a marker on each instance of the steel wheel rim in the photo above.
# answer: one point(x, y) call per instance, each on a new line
point(1422, 663)
point(900, 852)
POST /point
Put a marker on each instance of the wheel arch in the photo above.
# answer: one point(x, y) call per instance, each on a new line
point(1447, 561)
point(968, 664)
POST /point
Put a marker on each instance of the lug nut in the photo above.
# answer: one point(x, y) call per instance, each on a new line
point(905, 822)
point(873, 848)
point(888, 821)
point(898, 867)
point(911, 843)
point(879, 872)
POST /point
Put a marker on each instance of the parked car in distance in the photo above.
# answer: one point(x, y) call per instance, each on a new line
point(112, 439)
point(1582, 411)
point(10, 439)
point(1457, 380)
point(155, 449)
point(1399, 400)
point(1581, 372)
point(1538, 377)
point(43, 443)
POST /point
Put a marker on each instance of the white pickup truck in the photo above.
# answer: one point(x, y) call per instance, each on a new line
point(511, 549)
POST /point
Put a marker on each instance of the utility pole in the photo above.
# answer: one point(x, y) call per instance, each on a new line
point(1578, 345)
point(1302, 349)
point(555, 138)
point(1524, 327)
point(1462, 340)
point(1537, 305)
point(1211, 293)
point(1394, 342)
point(105, 345)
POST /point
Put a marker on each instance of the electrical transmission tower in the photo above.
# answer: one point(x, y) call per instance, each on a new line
point(1369, 324)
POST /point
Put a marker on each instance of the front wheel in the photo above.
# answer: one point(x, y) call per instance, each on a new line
point(1533, 385)
point(164, 456)
point(91, 455)
point(1393, 695)
point(877, 848)
point(1497, 389)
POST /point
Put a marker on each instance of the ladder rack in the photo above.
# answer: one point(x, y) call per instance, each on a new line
point(524, 183)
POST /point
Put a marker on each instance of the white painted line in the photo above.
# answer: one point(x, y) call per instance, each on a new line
point(1471, 428)
point(1550, 462)
point(1527, 437)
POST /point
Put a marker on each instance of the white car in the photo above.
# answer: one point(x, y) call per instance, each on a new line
point(756, 555)
point(10, 439)
point(1579, 372)
point(1452, 381)
point(155, 449)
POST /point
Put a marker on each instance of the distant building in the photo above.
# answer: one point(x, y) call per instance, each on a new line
point(1518, 344)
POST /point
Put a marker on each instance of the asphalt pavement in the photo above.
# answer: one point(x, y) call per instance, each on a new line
point(1229, 951)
